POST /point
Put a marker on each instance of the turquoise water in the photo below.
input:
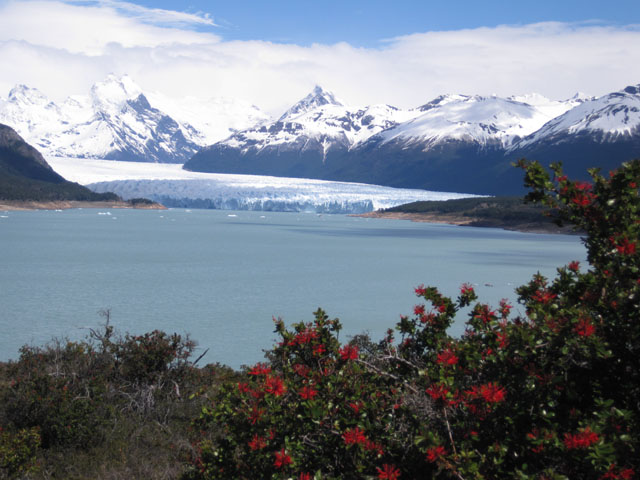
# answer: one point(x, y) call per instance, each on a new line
point(221, 276)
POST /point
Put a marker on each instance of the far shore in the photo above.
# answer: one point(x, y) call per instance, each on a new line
point(462, 220)
point(12, 205)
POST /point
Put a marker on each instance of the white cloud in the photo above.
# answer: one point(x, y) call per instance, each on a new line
point(151, 15)
point(63, 47)
point(89, 29)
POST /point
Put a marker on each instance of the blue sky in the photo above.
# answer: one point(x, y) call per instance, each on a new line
point(366, 22)
point(402, 53)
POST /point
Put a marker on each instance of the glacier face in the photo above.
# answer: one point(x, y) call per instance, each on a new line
point(174, 187)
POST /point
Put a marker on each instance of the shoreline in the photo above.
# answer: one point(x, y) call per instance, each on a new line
point(466, 221)
point(22, 205)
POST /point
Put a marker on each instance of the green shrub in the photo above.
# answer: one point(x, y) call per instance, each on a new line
point(18, 452)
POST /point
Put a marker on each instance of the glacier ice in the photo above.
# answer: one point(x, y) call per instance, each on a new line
point(174, 187)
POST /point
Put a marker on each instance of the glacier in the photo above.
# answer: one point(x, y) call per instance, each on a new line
point(174, 187)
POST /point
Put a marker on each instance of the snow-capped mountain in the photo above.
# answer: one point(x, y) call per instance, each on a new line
point(462, 143)
point(118, 121)
point(600, 132)
point(317, 128)
point(320, 137)
point(604, 119)
point(485, 121)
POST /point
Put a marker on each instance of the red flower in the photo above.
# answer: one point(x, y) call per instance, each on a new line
point(282, 459)
point(303, 337)
point(544, 296)
point(442, 308)
point(502, 339)
point(583, 186)
point(275, 386)
point(420, 291)
point(388, 472)
point(437, 391)
point(505, 308)
point(257, 442)
point(349, 352)
point(492, 393)
point(301, 369)
point(583, 439)
point(319, 350)
point(304, 476)
point(574, 266)
point(625, 247)
point(483, 313)
point(243, 387)
point(582, 199)
point(447, 357)
point(584, 328)
point(418, 310)
point(466, 289)
point(373, 447)
point(435, 453)
point(260, 369)
point(354, 436)
point(307, 392)
point(356, 407)
point(256, 414)
point(626, 474)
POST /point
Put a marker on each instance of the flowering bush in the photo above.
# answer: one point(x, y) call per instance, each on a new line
point(552, 393)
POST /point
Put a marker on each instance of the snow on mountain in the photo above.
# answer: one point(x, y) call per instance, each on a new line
point(550, 108)
point(31, 113)
point(208, 121)
point(320, 127)
point(174, 187)
point(117, 121)
point(452, 143)
point(317, 98)
point(316, 125)
point(606, 118)
point(475, 119)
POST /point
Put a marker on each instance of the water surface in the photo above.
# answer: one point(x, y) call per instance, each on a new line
point(221, 276)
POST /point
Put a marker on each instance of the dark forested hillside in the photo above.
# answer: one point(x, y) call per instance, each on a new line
point(26, 175)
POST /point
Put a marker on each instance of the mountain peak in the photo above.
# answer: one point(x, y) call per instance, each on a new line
point(23, 94)
point(317, 98)
point(441, 100)
point(114, 90)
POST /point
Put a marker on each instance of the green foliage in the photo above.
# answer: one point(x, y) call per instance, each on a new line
point(484, 211)
point(24, 189)
point(18, 452)
point(117, 404)
point(548, 394)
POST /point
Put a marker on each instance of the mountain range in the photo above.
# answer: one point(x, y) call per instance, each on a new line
point(459, 143)
point(118, 121)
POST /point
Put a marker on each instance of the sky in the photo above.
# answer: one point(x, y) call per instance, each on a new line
point(402, 53)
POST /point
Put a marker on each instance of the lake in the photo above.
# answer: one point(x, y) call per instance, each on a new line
point(221, 275)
